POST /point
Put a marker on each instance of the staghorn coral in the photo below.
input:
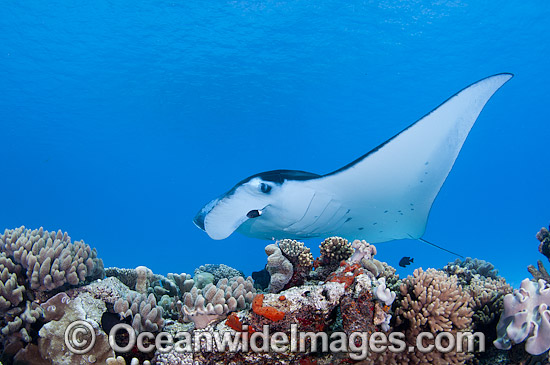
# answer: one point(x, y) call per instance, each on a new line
point(214, 302)
point(50, 259)
point(526, 316)
point(279, 267)
point(432, 302)
point(147, 316)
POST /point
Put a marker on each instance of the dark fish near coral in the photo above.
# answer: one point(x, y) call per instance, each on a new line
point(261, 278)
point(109, 320)
point(406, 261)
point(382, 196)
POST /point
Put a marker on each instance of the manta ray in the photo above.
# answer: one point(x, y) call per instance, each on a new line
point(384, 195)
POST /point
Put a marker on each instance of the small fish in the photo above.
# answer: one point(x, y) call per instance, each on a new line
point(405, 261)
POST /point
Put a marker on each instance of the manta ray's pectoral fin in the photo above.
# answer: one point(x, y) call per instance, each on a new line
point(391, 189)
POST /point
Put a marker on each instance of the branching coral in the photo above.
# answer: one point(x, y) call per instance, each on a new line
point(49, 258)
point(146, 315)
point(432, 302)
point(544, 248)
point(214, 302)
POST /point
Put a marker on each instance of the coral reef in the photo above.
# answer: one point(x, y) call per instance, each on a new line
point(432, 302)
point(145, 314)
point(219, 272)
point(214, 302)
point(261, 278)
point(34, 266)
point(544, 248)
point(362, 250)
point(301, 259)
point(468, 268)
point(51, 343)
point(279, 267)
point(344, 292)
point(526, 316)
point(334, 250)
point(50, 259)
point(382, 293)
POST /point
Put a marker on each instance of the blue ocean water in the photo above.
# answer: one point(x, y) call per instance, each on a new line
point(120, 120)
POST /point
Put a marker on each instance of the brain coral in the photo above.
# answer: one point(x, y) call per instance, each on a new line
point(49, 258)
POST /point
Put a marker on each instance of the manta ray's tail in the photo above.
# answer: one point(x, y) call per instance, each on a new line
point(441, 248)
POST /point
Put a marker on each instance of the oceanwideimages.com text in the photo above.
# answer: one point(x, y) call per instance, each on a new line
point(79, 339)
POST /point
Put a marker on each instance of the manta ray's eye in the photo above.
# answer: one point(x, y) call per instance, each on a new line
point(265, 188)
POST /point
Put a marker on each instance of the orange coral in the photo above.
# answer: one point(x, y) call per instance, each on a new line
point(346, 276)
point(282, 297)
point(267, 312)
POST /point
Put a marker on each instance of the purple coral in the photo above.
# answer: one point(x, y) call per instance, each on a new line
point(526, 316)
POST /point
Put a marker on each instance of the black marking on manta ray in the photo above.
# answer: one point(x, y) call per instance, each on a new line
point(347, 220)
point(361, 228)
point(375, 149)
point(276, 176)
point(279, 176)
